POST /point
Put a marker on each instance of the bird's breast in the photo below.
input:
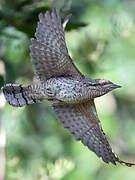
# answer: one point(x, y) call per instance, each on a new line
point(68, 90)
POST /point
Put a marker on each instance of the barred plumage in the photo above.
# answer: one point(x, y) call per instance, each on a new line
point(20, 95)
point(71, 93)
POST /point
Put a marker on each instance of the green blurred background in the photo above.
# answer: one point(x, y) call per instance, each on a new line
point(101, 40)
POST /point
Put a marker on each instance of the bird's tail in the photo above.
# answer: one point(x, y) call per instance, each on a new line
point(21, 95)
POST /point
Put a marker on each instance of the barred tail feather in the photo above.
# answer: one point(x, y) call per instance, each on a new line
point(18, 95)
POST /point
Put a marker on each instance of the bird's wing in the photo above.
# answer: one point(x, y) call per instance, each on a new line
point(82, 122)
point(49, 53)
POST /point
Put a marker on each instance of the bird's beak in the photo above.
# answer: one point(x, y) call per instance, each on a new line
point(114, 86)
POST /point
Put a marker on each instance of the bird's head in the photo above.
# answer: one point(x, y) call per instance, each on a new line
point(105, 86)
point(99, 87)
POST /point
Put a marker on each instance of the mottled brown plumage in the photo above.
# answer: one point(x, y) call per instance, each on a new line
point(71, 93)
point(54, 59)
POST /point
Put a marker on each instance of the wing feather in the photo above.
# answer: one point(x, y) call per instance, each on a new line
point(82, 122)
point(49, 53)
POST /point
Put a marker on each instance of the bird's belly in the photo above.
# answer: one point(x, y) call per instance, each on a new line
point(69, 96)
point(69, 91)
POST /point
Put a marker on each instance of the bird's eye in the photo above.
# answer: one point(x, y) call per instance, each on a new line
point(103, 82)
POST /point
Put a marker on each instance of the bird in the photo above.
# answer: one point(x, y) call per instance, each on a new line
point(70, 93)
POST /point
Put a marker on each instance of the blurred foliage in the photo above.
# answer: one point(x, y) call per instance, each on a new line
point(101, 40)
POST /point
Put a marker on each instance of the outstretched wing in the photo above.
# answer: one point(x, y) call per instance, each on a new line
point(82, 122)
point(49, 54)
